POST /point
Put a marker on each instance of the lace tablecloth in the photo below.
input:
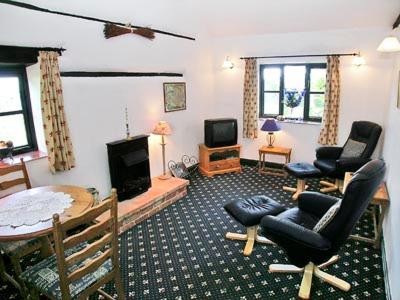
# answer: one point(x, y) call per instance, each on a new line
point(32, 209)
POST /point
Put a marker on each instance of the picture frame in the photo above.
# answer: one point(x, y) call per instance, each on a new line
point(174, 96)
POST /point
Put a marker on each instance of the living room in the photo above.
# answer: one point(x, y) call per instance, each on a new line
point(203, 48)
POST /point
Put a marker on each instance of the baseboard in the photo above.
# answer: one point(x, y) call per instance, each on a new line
point(385, 271)
point(254, 163)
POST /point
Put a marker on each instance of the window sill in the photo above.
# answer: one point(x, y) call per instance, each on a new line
point(300, 122)
point(29, 156)
point(293, 122)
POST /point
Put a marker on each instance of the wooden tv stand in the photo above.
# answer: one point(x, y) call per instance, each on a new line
point(219, 160)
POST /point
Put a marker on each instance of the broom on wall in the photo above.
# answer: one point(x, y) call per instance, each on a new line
point(112, 30)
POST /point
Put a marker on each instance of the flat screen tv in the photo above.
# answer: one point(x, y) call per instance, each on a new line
point(220, 132)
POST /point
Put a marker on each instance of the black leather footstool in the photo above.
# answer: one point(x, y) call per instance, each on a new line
point(301, 171)
point(249, 213)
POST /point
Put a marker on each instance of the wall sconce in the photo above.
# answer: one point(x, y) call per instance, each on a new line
point(228, 64)
point(358, 60)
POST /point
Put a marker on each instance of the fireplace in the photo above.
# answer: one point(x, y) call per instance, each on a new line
point(129, 166)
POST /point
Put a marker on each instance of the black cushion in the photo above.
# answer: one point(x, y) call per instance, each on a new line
point(302, 170)
point(327, 166)
point(299, 217)
point(249, 212)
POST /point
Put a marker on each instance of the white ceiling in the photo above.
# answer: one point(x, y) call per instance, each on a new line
point(234, 17)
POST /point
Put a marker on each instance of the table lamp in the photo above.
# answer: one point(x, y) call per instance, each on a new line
point(270, 126)
point(163, 129)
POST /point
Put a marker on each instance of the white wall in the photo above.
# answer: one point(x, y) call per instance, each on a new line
point(364, 89)
point(391, 155)
point(95, 106)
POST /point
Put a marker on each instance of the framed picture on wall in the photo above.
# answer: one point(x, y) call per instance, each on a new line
point(174, 96)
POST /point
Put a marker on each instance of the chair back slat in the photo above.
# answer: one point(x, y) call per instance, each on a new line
point(89, 250)
point(102, 246)
point(90, 266)
point(88, 234)
point(89, 215)
point(4, 185)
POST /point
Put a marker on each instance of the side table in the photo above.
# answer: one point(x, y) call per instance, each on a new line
point(380, 202)
point(281, 151)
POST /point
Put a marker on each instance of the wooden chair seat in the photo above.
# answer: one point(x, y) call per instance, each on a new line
point(44, 275)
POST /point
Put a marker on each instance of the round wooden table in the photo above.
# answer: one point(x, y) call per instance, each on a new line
point(83, 200)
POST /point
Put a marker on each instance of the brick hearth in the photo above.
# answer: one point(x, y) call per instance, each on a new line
point(161, 194)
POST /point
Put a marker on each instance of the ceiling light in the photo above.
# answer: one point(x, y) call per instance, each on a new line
point(389, 44)
point(228, 64)
point(358, 60)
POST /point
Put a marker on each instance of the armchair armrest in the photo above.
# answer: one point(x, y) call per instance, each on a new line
point(284, 231)
point(328, 152)
point(351, 164)
point(316, 204)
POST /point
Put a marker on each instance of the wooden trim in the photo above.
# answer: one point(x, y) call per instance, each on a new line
point(396, 23)
point(91, 266)
point(91, 214)
point(118, 74)
point(12, 169)
point(88, 234)
point(89, 250)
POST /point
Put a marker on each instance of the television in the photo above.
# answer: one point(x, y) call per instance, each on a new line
point(220, 132)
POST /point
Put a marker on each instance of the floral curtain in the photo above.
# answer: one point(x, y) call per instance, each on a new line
point(330, 120)
point(58, 142)
point(250, 117)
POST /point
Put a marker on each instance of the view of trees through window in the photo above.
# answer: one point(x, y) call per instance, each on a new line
point(295, 91)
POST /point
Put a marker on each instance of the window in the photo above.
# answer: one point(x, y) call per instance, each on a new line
point(16, 122)
point(305, 82)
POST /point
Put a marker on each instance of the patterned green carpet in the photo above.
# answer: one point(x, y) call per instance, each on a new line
point(181, 252)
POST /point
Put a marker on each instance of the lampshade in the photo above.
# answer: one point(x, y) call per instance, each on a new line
point(389, 44)
point(270, 125)
point(162, 128)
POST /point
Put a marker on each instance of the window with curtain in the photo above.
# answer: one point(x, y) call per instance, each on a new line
point(16, 122)
point(305, 81)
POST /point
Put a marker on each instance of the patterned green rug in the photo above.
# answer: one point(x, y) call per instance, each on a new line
point(181, 252)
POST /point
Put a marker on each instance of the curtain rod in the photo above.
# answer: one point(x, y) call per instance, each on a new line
point(301, 55)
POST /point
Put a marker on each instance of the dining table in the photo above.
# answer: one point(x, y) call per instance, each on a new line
point(82, 200)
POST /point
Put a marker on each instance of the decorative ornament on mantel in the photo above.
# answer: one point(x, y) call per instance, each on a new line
point(128, 133)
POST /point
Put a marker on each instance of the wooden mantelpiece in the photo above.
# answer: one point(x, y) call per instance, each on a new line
point(161, 194)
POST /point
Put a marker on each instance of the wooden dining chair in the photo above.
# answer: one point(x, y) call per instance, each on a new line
point(84, 262)
point(15, 251)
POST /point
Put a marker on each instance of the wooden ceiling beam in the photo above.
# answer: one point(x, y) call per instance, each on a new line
point(396, 23)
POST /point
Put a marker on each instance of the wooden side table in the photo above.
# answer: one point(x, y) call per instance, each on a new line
point(285, 152)
point(380, 202)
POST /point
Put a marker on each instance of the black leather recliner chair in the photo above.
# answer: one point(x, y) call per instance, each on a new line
point(332, 165)
point(309, 250)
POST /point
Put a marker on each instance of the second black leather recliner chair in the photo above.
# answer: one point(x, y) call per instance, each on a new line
point(334, 164)
point(309, 249)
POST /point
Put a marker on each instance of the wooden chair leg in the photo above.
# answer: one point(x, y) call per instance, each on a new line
point(15, 261)
point(120, 287)
point(305, 288)
point(330, 186)
point(301, 187)
point(250, 237)
point(339, 283)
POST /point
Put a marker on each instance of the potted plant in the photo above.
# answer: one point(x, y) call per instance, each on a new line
point(293, 98)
